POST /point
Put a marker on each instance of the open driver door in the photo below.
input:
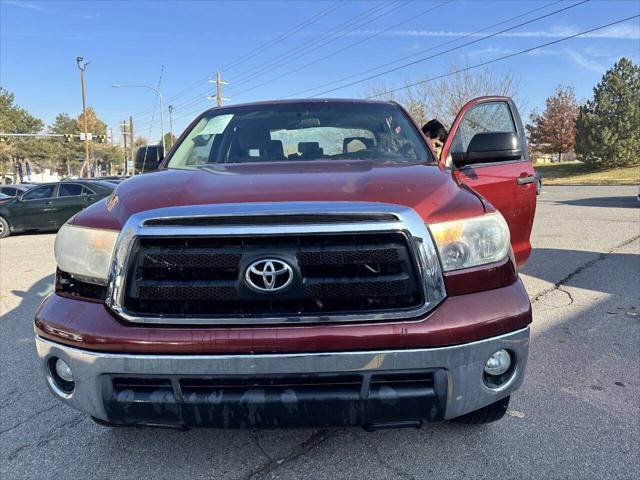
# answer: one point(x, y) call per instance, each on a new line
point(487, 150)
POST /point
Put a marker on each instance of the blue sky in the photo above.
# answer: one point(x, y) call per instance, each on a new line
point(128, 42)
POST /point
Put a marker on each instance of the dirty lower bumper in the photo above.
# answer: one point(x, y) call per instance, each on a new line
point(281, 390)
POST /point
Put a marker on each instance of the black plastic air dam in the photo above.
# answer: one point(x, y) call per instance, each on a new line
point(315, 401)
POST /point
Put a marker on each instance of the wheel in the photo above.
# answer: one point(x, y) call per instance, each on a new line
point(488, 414)
point(4, 228)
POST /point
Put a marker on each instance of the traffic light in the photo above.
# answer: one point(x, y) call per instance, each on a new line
point(68, 137)
point(102, 139)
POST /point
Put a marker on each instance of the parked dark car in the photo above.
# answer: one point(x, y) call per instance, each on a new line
point(115, 179)
point(48, 206)
point(15, 189)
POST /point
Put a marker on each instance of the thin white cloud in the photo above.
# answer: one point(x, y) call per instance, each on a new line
point(582, 59)
point(496, 51)
point(617, 32)
point(27, 5)
point(38, 7)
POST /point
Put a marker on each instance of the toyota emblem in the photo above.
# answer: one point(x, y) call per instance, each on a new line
point(268, 275)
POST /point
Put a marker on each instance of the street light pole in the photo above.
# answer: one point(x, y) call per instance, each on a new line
point(82, 67)
point(171, 124)
point(157, 91)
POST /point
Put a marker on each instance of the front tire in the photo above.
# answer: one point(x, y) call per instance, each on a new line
point(5, 230)
point(488, 414)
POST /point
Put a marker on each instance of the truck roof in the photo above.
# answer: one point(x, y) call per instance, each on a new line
point(303, 101)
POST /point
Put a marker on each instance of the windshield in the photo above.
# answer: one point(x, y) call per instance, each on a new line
point(301, 132)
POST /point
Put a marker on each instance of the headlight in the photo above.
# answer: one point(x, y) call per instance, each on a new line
point(85, 252)
point(471, 242)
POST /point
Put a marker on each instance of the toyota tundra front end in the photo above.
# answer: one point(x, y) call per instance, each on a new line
point(301, 264)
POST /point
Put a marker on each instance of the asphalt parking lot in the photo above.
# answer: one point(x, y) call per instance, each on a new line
point(576, 416)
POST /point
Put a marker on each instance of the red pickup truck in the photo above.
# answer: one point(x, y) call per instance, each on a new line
point(305, 263)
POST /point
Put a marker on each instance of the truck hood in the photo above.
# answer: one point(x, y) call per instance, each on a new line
point(426, 188)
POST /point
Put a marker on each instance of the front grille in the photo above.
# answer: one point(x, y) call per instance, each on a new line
point(334, 274)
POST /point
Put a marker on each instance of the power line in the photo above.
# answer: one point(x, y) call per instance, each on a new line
point(314, 18)
point(442, 44)
point(504, 57)
point(351, 45)
point(326, 37)
point(429, 57)
point(147, 112)
point(144, 160)
point(341, 30)
point(489, 36)
point(200, 97)
point(285, 35)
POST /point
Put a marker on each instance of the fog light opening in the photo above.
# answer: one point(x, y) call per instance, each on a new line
point(61, 377)
point(499, 368)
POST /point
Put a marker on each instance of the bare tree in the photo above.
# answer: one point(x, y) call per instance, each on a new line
point(380, 91)
point(443, 99)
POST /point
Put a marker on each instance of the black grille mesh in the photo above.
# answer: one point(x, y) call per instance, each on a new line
point(191, 260)
point(339, 257)
point(333, 274)
point(196, 292)
point(386, 288)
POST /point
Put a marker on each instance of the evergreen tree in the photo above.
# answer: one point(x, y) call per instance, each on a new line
point(15, 119)
point(67, 156)
point(608, 126)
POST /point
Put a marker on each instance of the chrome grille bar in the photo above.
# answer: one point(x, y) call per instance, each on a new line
point(371, 218)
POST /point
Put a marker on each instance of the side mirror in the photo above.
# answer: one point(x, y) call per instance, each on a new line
point(490, 147)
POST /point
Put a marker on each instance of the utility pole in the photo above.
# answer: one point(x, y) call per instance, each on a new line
point(82, 67)
point(131, 141)
point(111, 143)
point(219, 82)
point(218, 89)
point(123, 132)
point(170, 125)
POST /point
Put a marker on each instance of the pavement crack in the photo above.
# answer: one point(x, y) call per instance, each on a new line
point(568, 293)
point(254, 435)
point(31, 417)
point(315, 440)
point(50, 436)
point(382, 461)
point(559, 284)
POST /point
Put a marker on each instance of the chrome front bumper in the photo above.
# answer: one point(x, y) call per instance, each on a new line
point(462, 364)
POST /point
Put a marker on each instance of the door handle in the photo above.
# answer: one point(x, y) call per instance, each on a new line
point(526, 180)
point(48, 203)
